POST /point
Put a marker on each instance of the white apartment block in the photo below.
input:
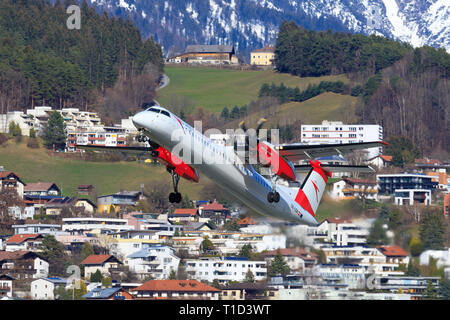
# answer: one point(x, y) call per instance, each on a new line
point(353, 276)
point(95, 225)
point(371, 259)
point(331, 132)
point(126, 243)
point(157, 261)
point(225, 269)
point(36, 228)
point(339, 232)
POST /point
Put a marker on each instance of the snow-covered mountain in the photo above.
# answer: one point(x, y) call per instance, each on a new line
point(253, 23)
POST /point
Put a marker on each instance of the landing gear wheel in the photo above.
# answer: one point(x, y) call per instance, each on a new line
point(175, 196)
point(276, 197)
point(273, 197)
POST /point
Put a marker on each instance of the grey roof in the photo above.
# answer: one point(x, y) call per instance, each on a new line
point(103, 293)
point(209, 48)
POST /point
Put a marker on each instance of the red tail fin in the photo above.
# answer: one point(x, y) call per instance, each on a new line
point(309, 195)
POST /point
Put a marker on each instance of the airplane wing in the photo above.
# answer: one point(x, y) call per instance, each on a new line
point(335, 168)
point(297, 152)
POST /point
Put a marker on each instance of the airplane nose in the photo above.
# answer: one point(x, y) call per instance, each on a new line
point(138, 120)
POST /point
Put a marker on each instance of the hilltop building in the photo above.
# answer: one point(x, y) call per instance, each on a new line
point(263, 56)
point(332, 132)
point(349, 188)
point(207, 54)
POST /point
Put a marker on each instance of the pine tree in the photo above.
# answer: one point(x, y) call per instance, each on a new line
point(432, 230)
point(55, 132)
point(278, 265)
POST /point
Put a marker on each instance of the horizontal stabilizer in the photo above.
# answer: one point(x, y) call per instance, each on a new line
point(335, 168)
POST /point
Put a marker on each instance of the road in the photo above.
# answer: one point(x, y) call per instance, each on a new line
point(164, 82)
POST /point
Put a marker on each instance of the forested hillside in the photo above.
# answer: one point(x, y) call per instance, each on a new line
point(405, 89)
point(42, 62)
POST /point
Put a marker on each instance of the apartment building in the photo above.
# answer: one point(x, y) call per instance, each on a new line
point(340, 232)
point(95, 225)
point(225, 269)
point(407, 188)
point(331, 132)
point(157, 261)
point(350, 188)
point(372, 259)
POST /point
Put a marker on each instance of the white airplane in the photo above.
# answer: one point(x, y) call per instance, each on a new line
point(275, 193)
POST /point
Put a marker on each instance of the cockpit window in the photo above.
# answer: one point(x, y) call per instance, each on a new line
point(165, 113)
point(154, 110)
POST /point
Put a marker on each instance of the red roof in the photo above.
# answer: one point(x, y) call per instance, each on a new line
point(386, 158)
point(4, 174)
point(99, 259)
point(247, 221)
point(181, 211)
point(21, 237)
point(213, 207)
point(14, 255)
point(338, 220)
point(175, 285)
point(393, 251)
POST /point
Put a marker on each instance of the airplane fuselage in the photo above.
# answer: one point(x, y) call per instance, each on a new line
point(219, 163)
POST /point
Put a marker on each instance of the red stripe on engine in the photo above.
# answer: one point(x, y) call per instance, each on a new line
point(303, 201)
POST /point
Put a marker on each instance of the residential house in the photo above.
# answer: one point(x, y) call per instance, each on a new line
point(248, 291)
point(43, 289)
point(350, 188)
point(176, 290)
point(157, 261)
point(298, 259)
point(263, 57)
point(128, 242)
point(86, 205)
point(214, 212)
point(36, 228)
point(114, 202)
point(116, 293)
point(395, 254)
point(104, 262)
point(182, 215)
point(6, 286)
point(21, 213)
point(42, 189)
point(206, 54)
point(9, 179)
point(55, 207)
point(245, 222)
point(225, 269)
point(24, 241)
point(380, 161)
point(442, 257)
point(23, 264)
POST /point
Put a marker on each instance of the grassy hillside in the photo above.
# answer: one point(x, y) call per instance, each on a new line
point(215, 89)
point(34, 165)
point(326, 106)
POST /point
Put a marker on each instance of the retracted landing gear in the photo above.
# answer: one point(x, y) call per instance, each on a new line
point(175, 196)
